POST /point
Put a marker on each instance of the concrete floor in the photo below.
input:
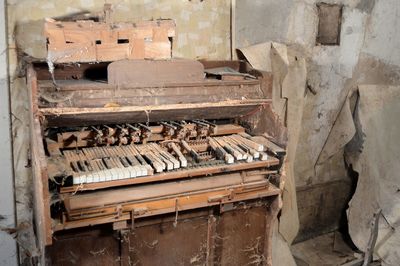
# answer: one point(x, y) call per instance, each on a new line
point(328, 249)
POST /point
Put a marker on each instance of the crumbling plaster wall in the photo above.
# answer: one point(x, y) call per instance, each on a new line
point(203, 31)
point(366, 54)
point(8, 247)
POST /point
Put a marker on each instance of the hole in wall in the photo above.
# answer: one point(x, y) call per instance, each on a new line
point(123, 40)
point(344, 225)
point(329, 25)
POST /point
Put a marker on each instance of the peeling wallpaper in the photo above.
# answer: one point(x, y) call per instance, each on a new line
point(203, 31)
point(367, 54)
point(369, 38)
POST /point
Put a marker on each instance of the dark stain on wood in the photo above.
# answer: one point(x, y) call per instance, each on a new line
point(234, 237)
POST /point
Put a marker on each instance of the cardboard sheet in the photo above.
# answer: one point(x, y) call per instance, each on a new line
point(289, 74)
point(258, 55)
point(342, 132)
point(374, 153)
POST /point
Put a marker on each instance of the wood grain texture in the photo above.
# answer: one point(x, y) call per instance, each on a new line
point(134, 114)
point(83, 93)
point(40, 175)
point(150, 73)
point(91, 247)
point(156, 206)
point(89, 41)
point(196, 237)
point(140, 193)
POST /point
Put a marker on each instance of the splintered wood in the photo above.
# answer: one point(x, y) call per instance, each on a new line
point(89, 41)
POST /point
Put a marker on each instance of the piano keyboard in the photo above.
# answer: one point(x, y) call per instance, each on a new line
point(109, 163)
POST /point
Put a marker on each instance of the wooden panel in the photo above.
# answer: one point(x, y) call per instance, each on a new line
point(89, 247)
point(76, 71)
point(118, 115)
point(150, 73)
point(40, 177)
point(89, 41)
point(166, 244)
point(197, 237)
point(322, 208)
point(243, 235)
point(67, 83)
point(95, 94)
point(145, 192)
point(123, 212)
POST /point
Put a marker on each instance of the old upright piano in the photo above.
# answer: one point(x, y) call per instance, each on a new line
point(127, 145)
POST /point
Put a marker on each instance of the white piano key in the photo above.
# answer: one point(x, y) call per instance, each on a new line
point(124, 173)
point(263, 156)
point(149, 169)
point(114, 174)
point(229, 158)
point(108, 175)
point(181, 158)
point(131, 172)
point(96, 177)
point(167, 156)
point(167, 162)
point(183, 161)
point(235, 147)
point(128, 173)
point(143, 170)
point(102, 177)
point(255, 154)
point(174, 161)
point(89, 178)
point(135, 169)
point(249, 158)
point(246, 139)
point(77, 180)
point(101, 171)
point(159, 161)
point(139, 170)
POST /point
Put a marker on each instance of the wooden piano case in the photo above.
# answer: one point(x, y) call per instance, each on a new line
point(213, 215)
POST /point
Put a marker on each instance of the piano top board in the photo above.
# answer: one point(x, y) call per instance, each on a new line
point(87, 97)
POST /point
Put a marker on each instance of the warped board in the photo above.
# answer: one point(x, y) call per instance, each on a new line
point(149, 73)
point(90, 41)
point(134, 114)
point(85, 93)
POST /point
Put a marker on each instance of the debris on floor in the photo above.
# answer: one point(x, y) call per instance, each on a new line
point(328, 249)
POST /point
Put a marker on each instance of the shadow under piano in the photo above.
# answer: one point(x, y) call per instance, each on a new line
point(145, 162)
